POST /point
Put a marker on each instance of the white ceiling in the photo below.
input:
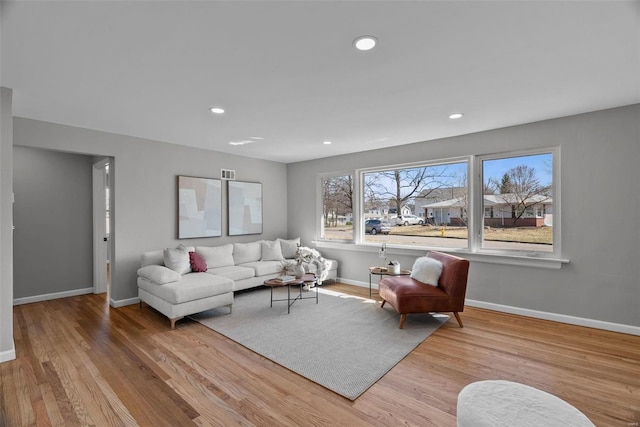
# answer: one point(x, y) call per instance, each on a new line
point(287, 71)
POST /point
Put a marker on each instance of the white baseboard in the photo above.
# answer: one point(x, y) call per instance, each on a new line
point(8, 355)
point(122, 302)
point(357, 283)
point(55, 295)
point(37, 298)
point(562, 318)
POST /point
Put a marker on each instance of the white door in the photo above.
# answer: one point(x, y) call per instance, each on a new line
point(100, 221)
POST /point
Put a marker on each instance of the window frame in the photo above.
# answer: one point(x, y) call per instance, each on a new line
point(361, 236)
point(320, 209)
point(555, 191)
point(474, 250)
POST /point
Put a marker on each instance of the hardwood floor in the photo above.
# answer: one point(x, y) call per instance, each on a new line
point(80, 362)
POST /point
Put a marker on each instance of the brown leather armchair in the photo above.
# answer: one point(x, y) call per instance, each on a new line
point(408, 295)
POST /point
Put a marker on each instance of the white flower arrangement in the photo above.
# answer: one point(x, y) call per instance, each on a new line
point(312, 256)
point(305, 254)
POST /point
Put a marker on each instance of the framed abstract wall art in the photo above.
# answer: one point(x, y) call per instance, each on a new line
point(244, 207)
point(199, 207)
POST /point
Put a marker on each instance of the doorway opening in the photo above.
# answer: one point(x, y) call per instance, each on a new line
point(102, 225)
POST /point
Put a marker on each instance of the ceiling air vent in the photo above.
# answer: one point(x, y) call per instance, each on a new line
point(228, 174)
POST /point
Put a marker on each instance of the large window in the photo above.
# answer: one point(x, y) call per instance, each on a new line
point(517, 201)
point(421, 205)
point(337, 207)
point(499, 204)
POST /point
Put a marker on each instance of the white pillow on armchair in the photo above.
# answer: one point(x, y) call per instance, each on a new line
point(427, 270)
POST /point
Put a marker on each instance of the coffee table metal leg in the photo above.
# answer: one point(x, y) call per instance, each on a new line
point(271, 287)
point(288, 299)
point(369, 285)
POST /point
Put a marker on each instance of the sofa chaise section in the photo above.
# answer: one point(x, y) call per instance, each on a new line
point(193, 293)
point(177, 292)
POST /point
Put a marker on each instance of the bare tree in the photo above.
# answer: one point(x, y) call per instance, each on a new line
point(464, 199)
point(337, 195)
point(398, 186)
point(521, 188)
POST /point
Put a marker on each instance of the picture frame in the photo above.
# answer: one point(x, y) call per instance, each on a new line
point(244, 207)
point(199, 207)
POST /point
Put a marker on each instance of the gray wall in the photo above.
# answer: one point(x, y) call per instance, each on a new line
point(600, 152)
point(600, 202)
point(144, 190)
point(7, 350)
point(53, 218)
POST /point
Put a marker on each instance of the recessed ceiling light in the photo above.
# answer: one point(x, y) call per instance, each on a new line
point(365, 42)
point(217, 110)
point(246, 141)
point(456, 115)
point(327, 142)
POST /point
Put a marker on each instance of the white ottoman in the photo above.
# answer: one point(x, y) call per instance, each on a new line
point(505, 403)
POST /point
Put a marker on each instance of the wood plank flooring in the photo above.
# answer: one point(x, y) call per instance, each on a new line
point(80, 362)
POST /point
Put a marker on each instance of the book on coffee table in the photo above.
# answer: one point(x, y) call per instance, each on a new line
point(285, 279)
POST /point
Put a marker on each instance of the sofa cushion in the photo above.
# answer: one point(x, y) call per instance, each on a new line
point(271, 251)
point(192, 286)
point(263, 268)
point(152, 258)
point(246, 252)
point(159, 274)
point(426, 270)
point(177, 259)
point(233, 272)
point(217, 256)
point(289, 247)
point(198, 263)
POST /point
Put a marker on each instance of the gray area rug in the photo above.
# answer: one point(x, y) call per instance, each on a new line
point(343, 343)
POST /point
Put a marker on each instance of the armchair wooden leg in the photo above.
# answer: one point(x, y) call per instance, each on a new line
point(383, 301)
point(455, 313)
point(403, 317)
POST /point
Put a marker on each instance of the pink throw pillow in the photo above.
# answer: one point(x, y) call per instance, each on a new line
point(198, 264)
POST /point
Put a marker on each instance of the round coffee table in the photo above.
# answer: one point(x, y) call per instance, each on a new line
point(307, 279)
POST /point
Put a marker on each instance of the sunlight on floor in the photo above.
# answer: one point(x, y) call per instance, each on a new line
point(343, 295)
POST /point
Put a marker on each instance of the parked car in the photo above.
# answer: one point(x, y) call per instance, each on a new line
point(375, 226)
point(406, 220)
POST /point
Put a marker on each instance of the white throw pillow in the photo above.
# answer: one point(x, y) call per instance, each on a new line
point(217, 256)
point(271, 251)
point(427, 270)
point(158, 274)
point(246, 252)
point(177, 259)
point(289, 247)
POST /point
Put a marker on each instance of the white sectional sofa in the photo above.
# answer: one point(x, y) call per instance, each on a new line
point(168, 283)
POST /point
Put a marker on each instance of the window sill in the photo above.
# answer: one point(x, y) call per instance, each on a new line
point(535, 261)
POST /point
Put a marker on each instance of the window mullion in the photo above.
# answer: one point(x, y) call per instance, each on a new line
point(475, 205)
point(357, 208)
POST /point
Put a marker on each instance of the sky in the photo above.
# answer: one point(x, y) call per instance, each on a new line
point(541, 163)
